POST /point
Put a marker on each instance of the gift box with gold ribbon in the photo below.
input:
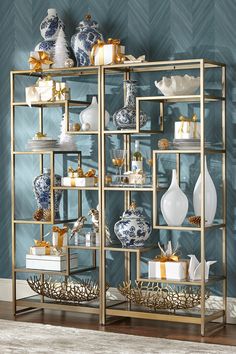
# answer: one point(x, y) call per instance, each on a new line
point(107, 53)
point(187, 128)
point(61, 92)
point(40, 248)
point(77, 178)
point(168, 266)
point(39, 60)
point(59, 237)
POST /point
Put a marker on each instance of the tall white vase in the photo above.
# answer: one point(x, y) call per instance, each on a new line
point(210, 197)
point(89, 115)
point(174, 204)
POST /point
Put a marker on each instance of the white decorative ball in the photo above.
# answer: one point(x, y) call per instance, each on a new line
point(85, 126)
point(69, 63)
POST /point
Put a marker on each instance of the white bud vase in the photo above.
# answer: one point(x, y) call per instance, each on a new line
point(89, 116)
point(210, 197)
point(174, 204)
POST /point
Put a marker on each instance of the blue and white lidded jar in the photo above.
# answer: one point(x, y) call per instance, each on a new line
point(42, 191)
point(133, 229)
point(84, 39)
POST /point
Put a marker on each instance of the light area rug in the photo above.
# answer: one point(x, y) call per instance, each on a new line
point(33, 338)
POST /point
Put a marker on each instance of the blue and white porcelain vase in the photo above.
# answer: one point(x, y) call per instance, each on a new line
point(51, 24)
point(133, 229)
point(125, 117)
point(84, 39)
point(41, 189)
point(49, 29)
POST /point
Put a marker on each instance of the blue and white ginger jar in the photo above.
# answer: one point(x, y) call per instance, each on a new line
point(41, 189)
point(125, 117)
point(133, 229)
point(83, 41)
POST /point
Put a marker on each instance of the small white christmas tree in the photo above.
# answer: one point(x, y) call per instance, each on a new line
point(66, 141)
point(60, 53)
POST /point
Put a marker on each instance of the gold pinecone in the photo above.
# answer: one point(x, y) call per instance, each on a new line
point(38, 214)
point(47, 214)
point(195, 220)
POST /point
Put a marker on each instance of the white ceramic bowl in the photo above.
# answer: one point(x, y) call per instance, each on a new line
point(178, 85)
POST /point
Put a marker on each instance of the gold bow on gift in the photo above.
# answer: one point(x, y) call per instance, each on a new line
point(45, 244)
point(189, 120)
point(38, 243)
point(119, 57)
point(43, 59)
point(166, 256)
point(58, 93)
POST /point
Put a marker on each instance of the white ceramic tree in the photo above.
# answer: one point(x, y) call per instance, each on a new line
point(60, 53)
point(66, 141)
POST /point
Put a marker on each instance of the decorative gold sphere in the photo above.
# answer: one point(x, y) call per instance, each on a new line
point(163, 144)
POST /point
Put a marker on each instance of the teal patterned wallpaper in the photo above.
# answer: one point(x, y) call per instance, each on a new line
point(162, 29)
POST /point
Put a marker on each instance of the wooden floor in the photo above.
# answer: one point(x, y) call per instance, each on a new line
point(226, 336)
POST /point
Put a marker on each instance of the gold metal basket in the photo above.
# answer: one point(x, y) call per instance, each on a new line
point(155, 296)
point(65, 291)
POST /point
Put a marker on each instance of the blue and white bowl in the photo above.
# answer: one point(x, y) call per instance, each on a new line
point(51, 25)
point(133, 229)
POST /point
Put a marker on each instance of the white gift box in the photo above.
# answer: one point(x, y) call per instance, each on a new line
point(46, 88)
point(35, 55)
point(168, 270)
point(187, 130)
point(32, 94)
point(78, 182)
point(107, 54)
point(52, 262)
point(62, 91)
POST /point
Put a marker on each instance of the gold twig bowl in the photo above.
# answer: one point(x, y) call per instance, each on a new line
point(65, 291)
point(155, 296)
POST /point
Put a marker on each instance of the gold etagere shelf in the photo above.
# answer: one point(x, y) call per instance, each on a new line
point(104, 307)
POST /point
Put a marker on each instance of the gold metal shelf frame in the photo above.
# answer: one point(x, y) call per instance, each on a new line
point(103, 308)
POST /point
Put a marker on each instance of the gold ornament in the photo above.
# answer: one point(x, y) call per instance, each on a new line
point(38, 214)
point(163, 144)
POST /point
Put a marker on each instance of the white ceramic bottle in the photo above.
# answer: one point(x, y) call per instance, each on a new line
point(210, 197)
point(174, 204)
point(89, 116)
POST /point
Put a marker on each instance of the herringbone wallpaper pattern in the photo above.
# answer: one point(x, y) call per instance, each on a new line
point(162, 29)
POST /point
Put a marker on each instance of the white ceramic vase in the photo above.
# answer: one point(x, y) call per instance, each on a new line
point(89, 116)
point(210, 197)
point(174, 204)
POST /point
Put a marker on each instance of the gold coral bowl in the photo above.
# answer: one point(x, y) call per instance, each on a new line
point(155, 297)
point(65, 291)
